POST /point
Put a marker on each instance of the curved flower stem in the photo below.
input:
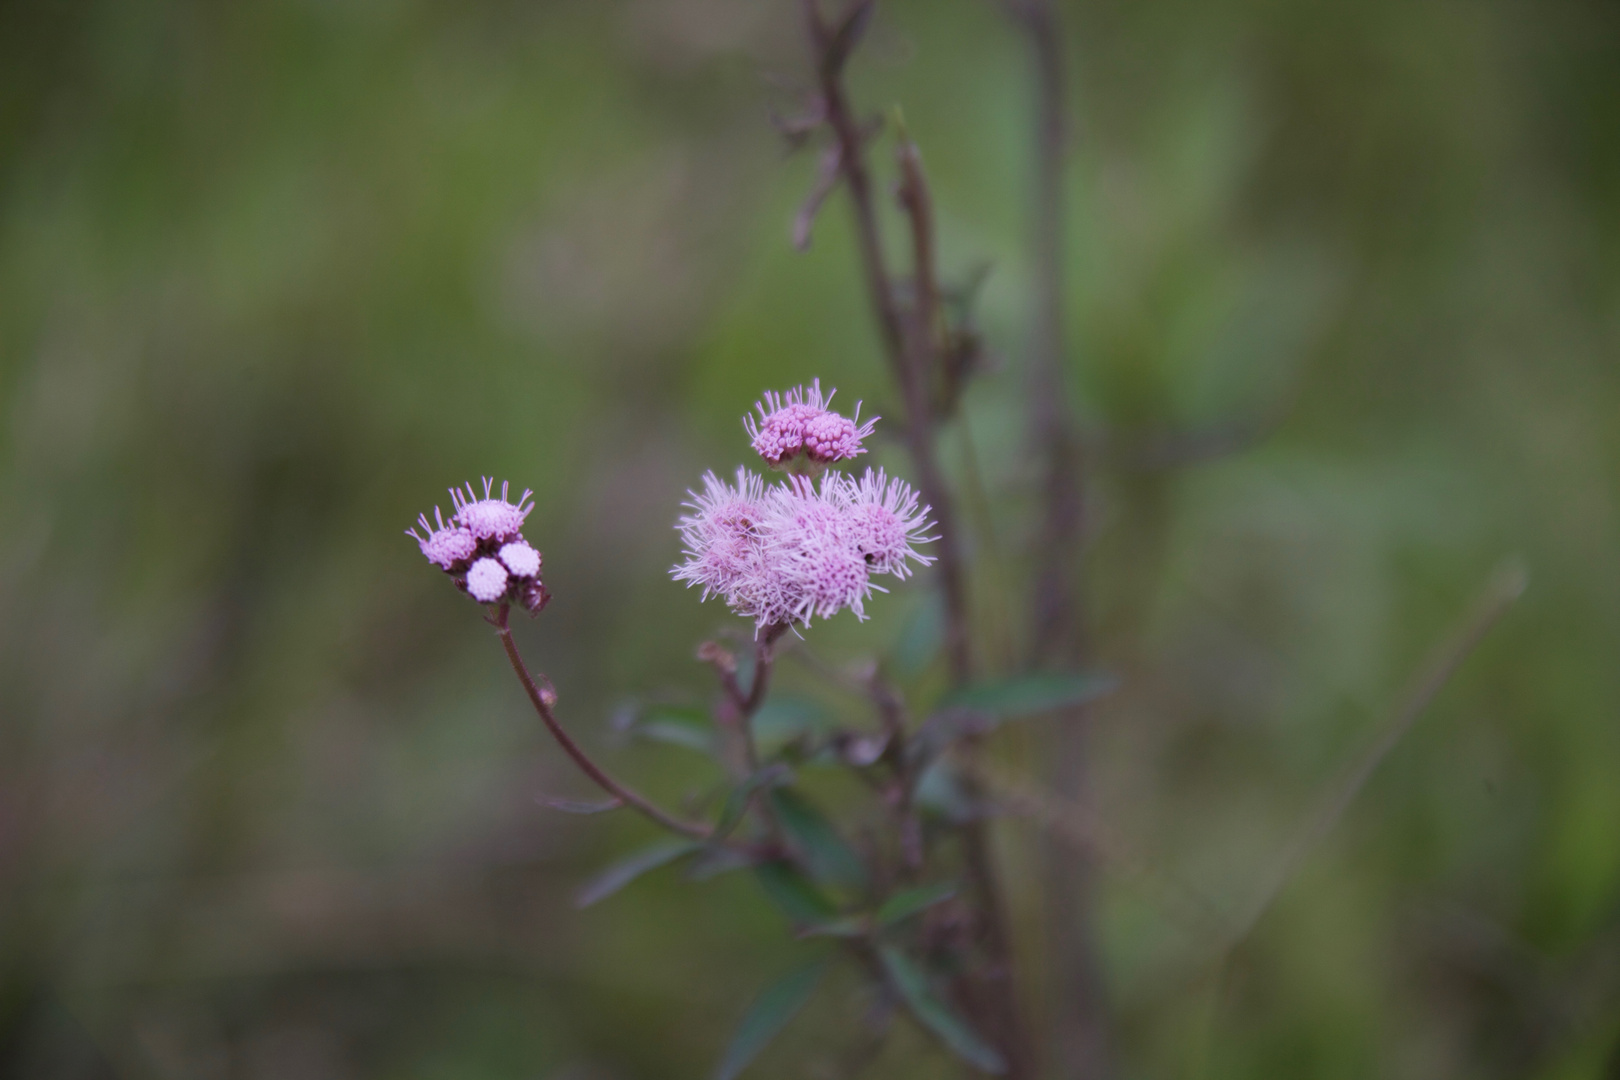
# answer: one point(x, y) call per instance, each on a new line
point(628, 796)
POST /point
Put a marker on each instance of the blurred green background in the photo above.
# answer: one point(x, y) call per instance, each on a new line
point(1345, 317)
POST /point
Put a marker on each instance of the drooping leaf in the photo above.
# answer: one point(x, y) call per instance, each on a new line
point(737, 801)
point(830, 860)
point(769, 1014)
point(922, 636)
point(797, 898)
point(850, 926)
point(677, 725)
point(631, 867)
point(713, 861)
point(912, 983)
point(904, 905)
point(1027, 695)
point(942, 729)
point(781, 720)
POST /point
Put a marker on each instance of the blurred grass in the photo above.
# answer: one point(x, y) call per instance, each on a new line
point(272, 274)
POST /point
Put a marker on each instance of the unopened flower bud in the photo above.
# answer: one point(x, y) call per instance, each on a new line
point(798, 431)
point(520, 558)
point(483, 549)
point(486, 581)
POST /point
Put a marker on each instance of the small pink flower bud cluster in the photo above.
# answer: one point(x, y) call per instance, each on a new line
point(798, 432)
point(482, 547)
point(787, 553)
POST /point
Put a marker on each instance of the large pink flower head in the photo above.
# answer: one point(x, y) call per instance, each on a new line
point(811, 552)
point(884, 523)
point(797, 431)
point(721, 535)
point(482, 547)
point(793, 552)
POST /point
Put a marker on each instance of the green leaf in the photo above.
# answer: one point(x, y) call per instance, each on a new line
point(769, 1014)
point(935, 1015)
point(781, 720)
point(850, 926)
point(737, 802)
point(923, 635)
point(1027, 695)
point(677, 725)
point(944, 728)
point(798, 899)
point(714, 861)
point(628, 869)
point(829, 859)
point(904, 905)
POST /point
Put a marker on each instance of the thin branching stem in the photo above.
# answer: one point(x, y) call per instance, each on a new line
point(1059, 633)
point(910, 356)
point(626, 795)
point(911, 344)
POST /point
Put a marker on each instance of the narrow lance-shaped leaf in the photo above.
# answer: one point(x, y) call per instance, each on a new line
point(782, 720)
point(850, 926)
point(935, 1015)
point(922, 636)
point(714, 861)
point(1026, 695)
point(829, 859)
point(769, 1014)
point(631, 867)
point(736, 803)
point(903, 905)
point(677, 725)
point(799, 900)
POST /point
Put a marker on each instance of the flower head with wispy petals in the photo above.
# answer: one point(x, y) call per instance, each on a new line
point(792, 552)
point(797, 431)
point(816, 566)
point(721, 535)
point(482, 547)
point(885, 522)
point(443, 545)
point(490, 518)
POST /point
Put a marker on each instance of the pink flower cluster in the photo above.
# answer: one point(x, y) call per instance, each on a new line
point(798, 432)
point(786, 553)
point(482, 547)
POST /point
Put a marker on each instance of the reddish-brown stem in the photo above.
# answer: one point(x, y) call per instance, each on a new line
point(738, 711)
point(910, 356)
point(629, 796)
point(1058, 626)
point(912, 347)
point(1058, 630)
point(764, 659)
